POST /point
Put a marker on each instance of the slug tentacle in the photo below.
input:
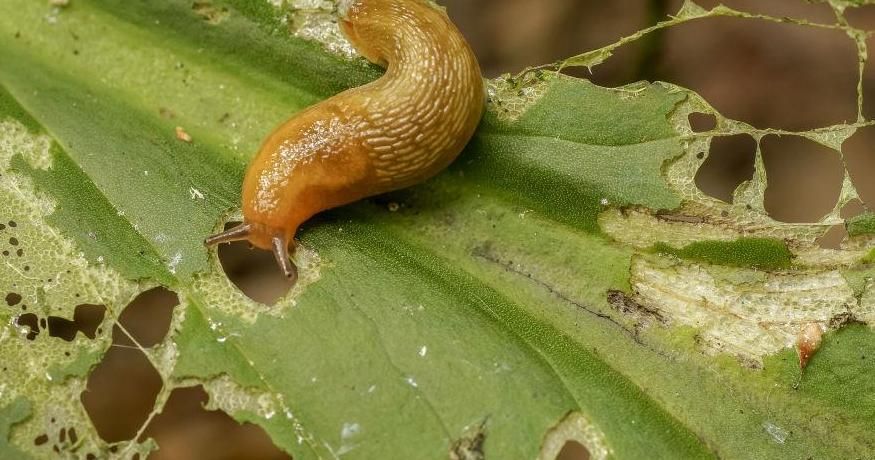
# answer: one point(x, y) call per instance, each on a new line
point(281, 253)
point(240, 232)
point(392, 133)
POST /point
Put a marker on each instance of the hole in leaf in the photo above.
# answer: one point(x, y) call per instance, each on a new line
point(120, 393)
point(778, 8)
point(253, 271)
point(758, 71)
point(185, 429)
point(859, 152)
point(702, 122)
point(833, 238)
point(13, 298)
point(146, 318)
point(862, 17)
point(86, 319)
point(549, 33)
point(729, 164)
point(853, 209)
point(31, 321)
point(805, 178)
point(573, 450)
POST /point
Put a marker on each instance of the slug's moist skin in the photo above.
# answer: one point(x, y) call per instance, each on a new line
point(389, 134)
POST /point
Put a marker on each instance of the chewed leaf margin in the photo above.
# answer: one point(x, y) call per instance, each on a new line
point(604, 215)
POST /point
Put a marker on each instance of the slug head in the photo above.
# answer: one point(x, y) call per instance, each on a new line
point(260, 237)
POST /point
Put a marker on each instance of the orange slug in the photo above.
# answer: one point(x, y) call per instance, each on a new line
point(392, 133)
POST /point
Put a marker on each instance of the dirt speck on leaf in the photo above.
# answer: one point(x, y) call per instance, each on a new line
point(183, 135)
point(470, 445)
point(575, 427)
point(209, 12)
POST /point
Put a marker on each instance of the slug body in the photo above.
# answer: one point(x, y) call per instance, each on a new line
point(389, 134)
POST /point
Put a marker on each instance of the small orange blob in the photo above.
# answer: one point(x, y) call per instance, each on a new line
point(182, 135)
point(392, 133)
point(808, 342)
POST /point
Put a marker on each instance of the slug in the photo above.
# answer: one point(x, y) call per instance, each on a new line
point(392, 133)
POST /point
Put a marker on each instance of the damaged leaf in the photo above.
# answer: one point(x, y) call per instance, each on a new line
point(564, 281)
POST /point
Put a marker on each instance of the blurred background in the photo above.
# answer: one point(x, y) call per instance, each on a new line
point(767, 74)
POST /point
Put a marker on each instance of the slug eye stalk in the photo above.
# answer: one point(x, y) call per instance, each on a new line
point(281, 253)
point(279, 245)
point(240, 232)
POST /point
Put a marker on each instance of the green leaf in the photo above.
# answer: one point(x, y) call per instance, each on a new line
point(514, 299)
point(15, 412)
point(762, 253)
point(864, 224)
